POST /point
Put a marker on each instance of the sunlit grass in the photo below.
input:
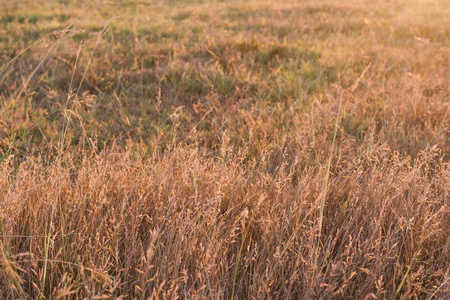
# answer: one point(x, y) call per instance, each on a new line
point(224, 149)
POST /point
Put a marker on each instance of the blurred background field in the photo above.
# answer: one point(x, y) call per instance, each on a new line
point(225, 149)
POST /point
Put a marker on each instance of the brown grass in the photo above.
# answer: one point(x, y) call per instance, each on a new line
point(229, 150)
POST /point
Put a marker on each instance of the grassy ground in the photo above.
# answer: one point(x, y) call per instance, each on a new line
point(225, 149)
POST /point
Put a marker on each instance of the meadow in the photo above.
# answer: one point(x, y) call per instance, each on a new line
point(224, 149)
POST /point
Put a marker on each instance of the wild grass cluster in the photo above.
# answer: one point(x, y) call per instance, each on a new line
point(224, 149)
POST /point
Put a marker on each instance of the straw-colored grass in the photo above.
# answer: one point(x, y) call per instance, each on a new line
point(229, 150)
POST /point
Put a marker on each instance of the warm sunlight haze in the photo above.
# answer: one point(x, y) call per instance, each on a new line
point(175, 149)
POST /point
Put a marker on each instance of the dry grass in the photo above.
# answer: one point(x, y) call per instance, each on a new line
point(225, 150)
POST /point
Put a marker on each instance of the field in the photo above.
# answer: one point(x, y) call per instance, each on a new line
point(225, 149)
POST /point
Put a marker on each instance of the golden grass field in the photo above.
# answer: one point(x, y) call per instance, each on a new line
point(225, 149)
